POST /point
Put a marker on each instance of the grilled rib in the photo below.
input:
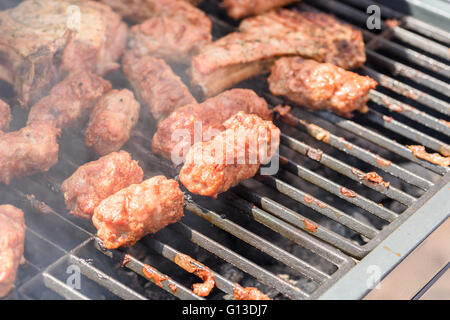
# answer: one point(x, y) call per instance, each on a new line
point(112, 120)
point(264, 39)
point(97, 180)
point(128, 215)
point(186, 122)
point(39, 45)
point(315, 85)
point(231, 157)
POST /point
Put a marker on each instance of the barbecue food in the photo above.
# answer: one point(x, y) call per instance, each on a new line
point(43, 40)
point(97, 180)
point(421, 153)
point(208, 115)
point(231, 157)
point(168, 29)
point(156, 85)
point(30, 150)
point(238, 9)
point(248, 293)
point(5, 116)
point(70, 101)
point(264, 39)
point(130, 214)
point(112, 120)
point(12, 237)
point(317, 85)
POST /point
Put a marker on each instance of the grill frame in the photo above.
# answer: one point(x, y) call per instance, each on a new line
point(345, 282)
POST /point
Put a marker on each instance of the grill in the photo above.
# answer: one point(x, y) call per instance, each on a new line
point(297, 234)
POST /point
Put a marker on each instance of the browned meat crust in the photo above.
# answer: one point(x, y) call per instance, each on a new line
point(130, 214)
point(231, 157)
point(70, 101)
point(5, 116)
point(156, 85)
point(97, 180)
point(12, 236)
point(175, 38)
point(200, 270)
point(30, 150)
point(265, 38)
point(38, 46)
point(112, 120)
point(210, 115)
point(238, 9)
point(317, 85)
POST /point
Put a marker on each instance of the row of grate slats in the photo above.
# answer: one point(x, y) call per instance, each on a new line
point(266, 211)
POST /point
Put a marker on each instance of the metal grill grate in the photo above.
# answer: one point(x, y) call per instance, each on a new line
point(305, 192)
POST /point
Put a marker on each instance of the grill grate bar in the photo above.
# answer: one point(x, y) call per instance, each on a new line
point(61, 288)
point(408, 91)
point(379, 140)
point(397, 68)
point(348, 171)
point(404, 35)
point(238, 261)
point(137, 267)
point(105, 280)
point(293, 218)
point(258, 242)
point(408, 132)
point(407, 54)
point(318, 206)
point(409, 112)
point(366, 155)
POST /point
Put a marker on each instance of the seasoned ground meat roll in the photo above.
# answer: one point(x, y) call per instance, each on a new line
point(12, 236)
point(231, 157)
point(112, 120)
point(97, 180)
point(130, 214)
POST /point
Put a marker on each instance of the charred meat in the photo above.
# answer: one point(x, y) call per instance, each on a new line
point(112, 120)
point(30, 150)
point(12, 236)
point(97, 180)
point(5, 117)
point(231, 157)
point(43, 40)
point(178, 132)
point(156, 85)
point(238, 9)
point(70, 101)
point(317, 85)
point(128, 215)
point(264, 39)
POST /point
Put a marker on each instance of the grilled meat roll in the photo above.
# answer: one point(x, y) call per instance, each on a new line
point(317, 85)
point(125, 217)
point(112, 120)
point(238, 9)
point(206, 117)
point(30, 150)
point(12, 237)
point(97, 180)
point(231, 157)
point(5, 116)
point(70, 101)
point(156, 85)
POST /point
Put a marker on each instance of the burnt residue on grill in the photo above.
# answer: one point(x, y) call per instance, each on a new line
point(382, 161)
point(348, 193)
point(436, 158)
point(126, 260)
point(248, 293)
point(310, 227)
point(200, 270)
point(315, 154)
point(153, 274)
